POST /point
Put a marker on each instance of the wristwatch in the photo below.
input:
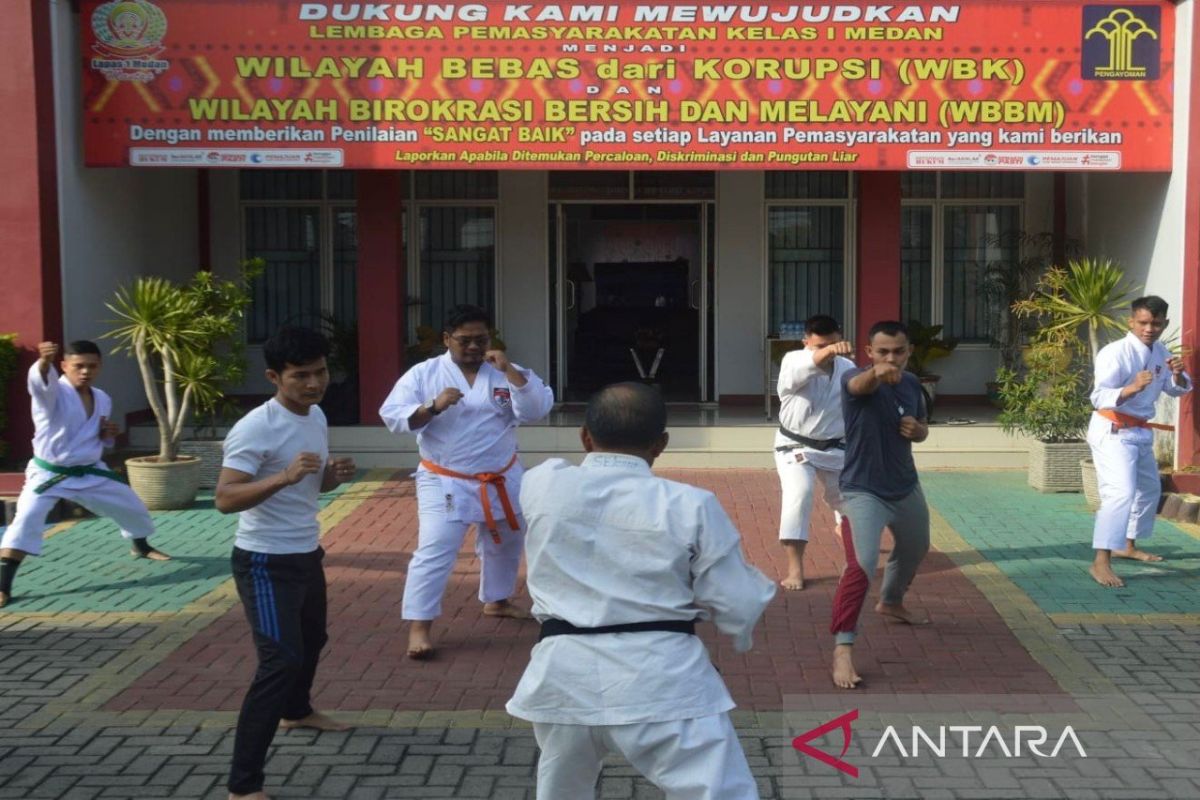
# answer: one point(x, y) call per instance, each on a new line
point(431, 407)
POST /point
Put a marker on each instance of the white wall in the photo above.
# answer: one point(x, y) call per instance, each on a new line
point(741, 272)
point(523, 271)
point(114, 223)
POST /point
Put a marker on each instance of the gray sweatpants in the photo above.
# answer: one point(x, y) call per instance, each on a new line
point(864, 517)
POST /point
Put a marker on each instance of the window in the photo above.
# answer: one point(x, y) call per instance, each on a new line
point(953, 226)
point(806, 246)
point(455, 211)
point(303, 223)
point(595, 184)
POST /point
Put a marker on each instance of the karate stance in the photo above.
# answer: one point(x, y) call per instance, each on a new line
point(1130, 376)
point(276, 463)
point(810, 445)
point(621, 565)
point(885, 413)
point(71, 429)
point(464, 408)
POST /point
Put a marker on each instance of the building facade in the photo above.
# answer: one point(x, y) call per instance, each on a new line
point(659, 256)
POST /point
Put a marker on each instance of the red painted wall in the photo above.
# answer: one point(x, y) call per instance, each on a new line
point(31, 299)
point(878, 273)
point(1188, 426)
point(382, 288)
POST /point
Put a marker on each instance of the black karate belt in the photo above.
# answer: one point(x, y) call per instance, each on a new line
point(558, 627)
point(815, 444)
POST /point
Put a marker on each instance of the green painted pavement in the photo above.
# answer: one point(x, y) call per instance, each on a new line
point(1042, 542)
point(87, 568)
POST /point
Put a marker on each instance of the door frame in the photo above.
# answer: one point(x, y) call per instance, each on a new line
point(705, 303)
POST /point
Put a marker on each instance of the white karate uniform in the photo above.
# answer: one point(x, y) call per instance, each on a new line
point(477, 434)
point(609, 543)
point(810, 404)
point(64, 435)
point(1128, 477)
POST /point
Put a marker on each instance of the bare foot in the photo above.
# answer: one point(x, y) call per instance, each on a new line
point(155, 555)
point(251, 796)
point(505, 608)
point(903, 614)
point(794, 581)
point(844, 674)
point(420, 648)
point(1135, 554)
point(1105, 576)
point(316, 721)
point(4, 598)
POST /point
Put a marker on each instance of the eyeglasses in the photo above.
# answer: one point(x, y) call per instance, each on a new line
point(467, 341)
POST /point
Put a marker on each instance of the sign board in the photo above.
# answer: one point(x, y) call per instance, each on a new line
point(620, 85)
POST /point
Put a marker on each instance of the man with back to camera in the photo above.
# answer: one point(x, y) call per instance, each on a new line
point(621, 564)
point(884, 410)
point(464, 407)
point(810, 443)
point(1131, 374)
point(276, 464)
point(71, 429)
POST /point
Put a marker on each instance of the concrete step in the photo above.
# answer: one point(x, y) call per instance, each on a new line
point(981, 446)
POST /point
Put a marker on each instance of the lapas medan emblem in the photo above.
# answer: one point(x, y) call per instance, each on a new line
point(129, 37)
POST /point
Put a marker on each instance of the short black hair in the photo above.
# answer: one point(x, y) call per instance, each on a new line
point(631, 415)
point(463, 314)
point(82, 347)
point(294, 345)
point(1152, 303)
point(821, 325)
point(888, 327)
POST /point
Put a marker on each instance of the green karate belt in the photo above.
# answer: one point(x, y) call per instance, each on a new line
point(62, 473)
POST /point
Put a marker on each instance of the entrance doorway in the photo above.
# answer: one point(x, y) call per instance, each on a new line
point(632, 285)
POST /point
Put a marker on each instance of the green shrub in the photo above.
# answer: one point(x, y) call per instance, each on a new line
point(1049, 401)
point(8, 365)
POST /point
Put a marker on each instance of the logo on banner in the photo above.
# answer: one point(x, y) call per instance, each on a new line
point(502, 397)
point(1121, 43)
point(129, 34)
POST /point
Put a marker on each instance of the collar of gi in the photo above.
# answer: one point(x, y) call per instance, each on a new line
point(616, 461)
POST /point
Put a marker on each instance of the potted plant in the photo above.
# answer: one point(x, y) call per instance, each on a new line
point(1008, 281)
point(927, 347)
point(185, 338)
point(1075, 307)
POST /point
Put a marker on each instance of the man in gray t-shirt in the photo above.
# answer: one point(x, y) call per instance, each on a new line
point(884, 410)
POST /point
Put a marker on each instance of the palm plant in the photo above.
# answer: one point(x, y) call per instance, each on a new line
point(187, 343)
point(1088, 293)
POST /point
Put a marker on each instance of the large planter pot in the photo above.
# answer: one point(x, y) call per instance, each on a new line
point(1054, 467)
point(1091, 484)
point(929, 384)
point(210, 452)
point(165, 485)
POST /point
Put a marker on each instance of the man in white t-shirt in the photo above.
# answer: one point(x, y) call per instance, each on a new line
point(276, 464)
point(810, 444)
point(622, 564)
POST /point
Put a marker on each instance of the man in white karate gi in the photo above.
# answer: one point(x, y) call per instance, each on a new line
point(621, 565)
point(810, 445)
point(464, 408)
point(71, 429)
point(1130, 375)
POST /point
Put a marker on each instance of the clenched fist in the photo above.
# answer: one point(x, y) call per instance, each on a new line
point(47, 352)
point(911, 428)
point(108, 429)
point(1142, 380)
point(448, 397)
point(498, 359)
point(888, 373)
point(303, 465)
point(842, 348)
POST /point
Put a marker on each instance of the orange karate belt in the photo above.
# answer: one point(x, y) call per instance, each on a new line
point(1120, 420)
point(485, 479)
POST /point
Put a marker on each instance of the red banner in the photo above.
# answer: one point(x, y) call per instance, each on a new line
point(1033, 84)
